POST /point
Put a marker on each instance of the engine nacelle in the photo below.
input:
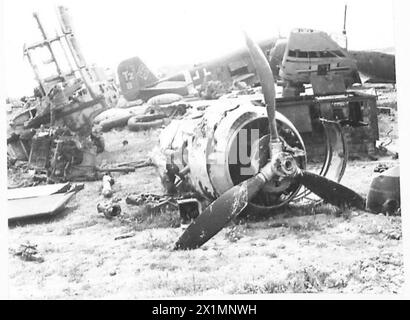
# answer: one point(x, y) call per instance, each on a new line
point(208, 152)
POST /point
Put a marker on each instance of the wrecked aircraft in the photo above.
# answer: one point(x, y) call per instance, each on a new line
point(209, 160)
point(374, 66)
point(54, 132)
point(238, 156)
point(203, 152)
point(308, 51)
point(306, 54)
point(292, 60)
point(137, 81)
point(312, 67)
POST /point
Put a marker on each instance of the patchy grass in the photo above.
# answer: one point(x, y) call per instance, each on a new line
point(307, 280)
point(152, 243)
point(142, 217)
point(235, 233)
point(304, 226)
point(328, 209)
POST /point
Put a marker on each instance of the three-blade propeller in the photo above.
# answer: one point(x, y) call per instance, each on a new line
point(282, 164)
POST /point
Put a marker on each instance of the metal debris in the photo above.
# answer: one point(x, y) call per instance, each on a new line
point(149, 199)
point(107, 181)
point(39, 201)
point(125, 236)
point(381, 167)
point(188, 204)
point(384, 192)
point(53, 132)
point(28, 252)
point(110, 209)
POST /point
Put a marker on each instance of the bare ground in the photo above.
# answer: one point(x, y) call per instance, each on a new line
point(303, 249)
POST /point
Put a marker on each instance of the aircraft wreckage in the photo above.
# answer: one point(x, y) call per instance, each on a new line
point(248, 151)
point(54, 131)
point(244, 154)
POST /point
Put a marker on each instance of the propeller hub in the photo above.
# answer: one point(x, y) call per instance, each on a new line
point(284, 165)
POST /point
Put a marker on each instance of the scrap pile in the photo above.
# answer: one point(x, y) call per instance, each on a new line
point(52, 138)
point(28, 252)
point(51, 154)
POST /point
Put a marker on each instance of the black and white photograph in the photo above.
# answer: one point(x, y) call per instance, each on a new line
point(201, 149)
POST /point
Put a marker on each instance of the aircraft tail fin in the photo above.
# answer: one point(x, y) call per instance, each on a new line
point(133, 76)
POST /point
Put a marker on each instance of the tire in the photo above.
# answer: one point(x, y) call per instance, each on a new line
point(107, 125)
point(118, 117)
point(109, 114)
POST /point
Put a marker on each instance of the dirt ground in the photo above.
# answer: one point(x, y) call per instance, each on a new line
point(301, 249)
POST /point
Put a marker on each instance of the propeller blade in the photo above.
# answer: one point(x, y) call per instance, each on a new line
point(267, 81)
point(233, 201)
point(331, 191)
point(219, 213)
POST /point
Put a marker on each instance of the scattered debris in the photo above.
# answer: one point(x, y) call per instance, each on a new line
point(117, 169)
point(384, 110)
point(54, 131)
point(188, 204)
point(39, 201)
point(235, 233)
point(109, 208)
point(125, 236)
point(28, 252)
point(152, 201)
point(381, 167)
point(138, 164)
point(126, 167)
point(393, 233)
point(107, 181)
point(135, 124)
point(189, 209)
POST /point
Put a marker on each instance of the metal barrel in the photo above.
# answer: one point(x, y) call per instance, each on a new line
point(384, 192)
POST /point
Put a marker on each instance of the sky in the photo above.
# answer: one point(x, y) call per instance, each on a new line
point(164, 32)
